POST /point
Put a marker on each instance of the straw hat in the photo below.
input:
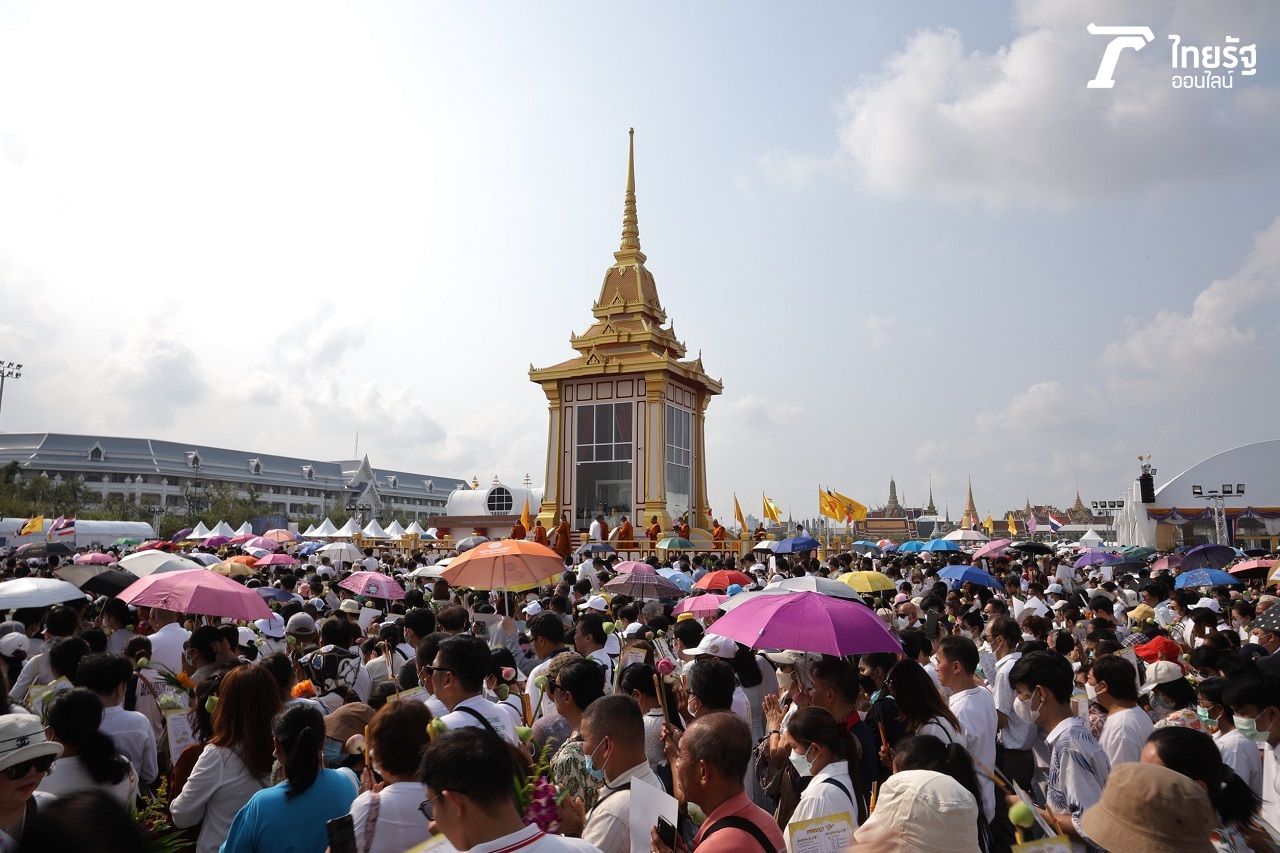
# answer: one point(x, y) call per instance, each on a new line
point(1146, 808)
point(921, 810)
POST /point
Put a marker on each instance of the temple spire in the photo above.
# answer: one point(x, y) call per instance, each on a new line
point(970, 517)
point(629, 250)
point(931, 509)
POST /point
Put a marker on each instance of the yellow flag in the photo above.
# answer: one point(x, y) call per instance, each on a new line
point(737, 514)
point(525, 521)
point(1013, 526)
point(828, 506)
point(771, 511)
point(851, 509)
point(989, 525)
point(33, 525)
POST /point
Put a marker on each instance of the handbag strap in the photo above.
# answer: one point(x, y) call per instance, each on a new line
point(371, 821)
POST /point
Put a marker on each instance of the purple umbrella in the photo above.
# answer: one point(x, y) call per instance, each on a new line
point(1208, 557)
point(808, 622)
point(643, 583)
point(1094, 558)
point(217, 541)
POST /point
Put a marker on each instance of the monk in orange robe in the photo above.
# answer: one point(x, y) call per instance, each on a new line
point(604, 529)
point(626, 534)
point(760, 533)
point(564, 539)
point(653, 531)
point(717, 533)
point(518, 531)
point(539, 533)
point(682, 527)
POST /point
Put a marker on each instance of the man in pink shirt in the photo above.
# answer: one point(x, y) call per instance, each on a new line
point(711, 761)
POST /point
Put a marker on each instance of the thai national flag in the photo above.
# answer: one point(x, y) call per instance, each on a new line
point(63, 526)
point(1054, 524)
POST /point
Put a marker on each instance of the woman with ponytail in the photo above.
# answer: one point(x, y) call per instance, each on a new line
point(291, 817)
point(89, 757)
point(926, 752)
point(823, 751)
point(1194, 754)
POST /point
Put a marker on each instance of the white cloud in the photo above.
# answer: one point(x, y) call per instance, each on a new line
point(879, 330)
point(1017, 125)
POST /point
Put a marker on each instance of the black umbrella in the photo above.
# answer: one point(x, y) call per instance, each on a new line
point(45, 549)
point(1031, 547)
point(110, 583)
point(1256, 552)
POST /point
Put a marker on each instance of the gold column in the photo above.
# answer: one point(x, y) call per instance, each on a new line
point(700, 501)
point(548, 510)
point(655, 446)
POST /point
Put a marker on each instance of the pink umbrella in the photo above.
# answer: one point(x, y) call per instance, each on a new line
point(217, 541)
point(1167, 564)
point(373, 585)
point(241, 540)
point(992, 549)
point(276, 560)
point(808, 622)
point(1251, 566)
point(280, 535)
point(263, 543)
point(631, 566)
point(197, 591)
point(700, 605)
point(97, 558)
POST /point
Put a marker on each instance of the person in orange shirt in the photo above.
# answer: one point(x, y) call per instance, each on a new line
point(626, 533)
point(539, 533)
point(518, 531)
point(564, 539)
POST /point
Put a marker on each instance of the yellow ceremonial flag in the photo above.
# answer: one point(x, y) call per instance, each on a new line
point(525, 521)
point(1013, 526)
point(33, 525)
point(772, 511)
point(828, 506)
point(989, 525)
point(852, 510)
point(737, 514)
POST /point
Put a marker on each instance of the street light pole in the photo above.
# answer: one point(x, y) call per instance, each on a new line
point(1217, 500)
point(8, 370)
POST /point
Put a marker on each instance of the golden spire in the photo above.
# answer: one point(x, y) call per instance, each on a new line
point(629, 252)
point(970, 517)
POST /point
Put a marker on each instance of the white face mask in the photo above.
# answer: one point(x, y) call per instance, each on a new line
point(800, 761)
point(1028, 637)
point(904, 622)
point(1091, 692)
point(968, 635)
point(1026, 711)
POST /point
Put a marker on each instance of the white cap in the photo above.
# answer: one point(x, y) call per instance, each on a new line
point(635, 629)
point(714, 644)
point(1211, 603)
point(1053, 589)
point(15, 642)
point(533, 608)
point(246, 637)
point(1160, 672)
point(272, 627)
point(595, 602)
point(789, 657)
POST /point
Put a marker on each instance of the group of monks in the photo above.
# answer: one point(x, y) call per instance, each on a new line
point(560, 539)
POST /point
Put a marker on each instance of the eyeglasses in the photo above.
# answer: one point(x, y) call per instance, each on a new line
point(432, 670)
point(552, 687)
point(40, 764)
point(425, 805)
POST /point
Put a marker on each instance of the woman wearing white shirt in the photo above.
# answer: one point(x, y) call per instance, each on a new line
point(89, 758)
point(821, 749)
point(921, 704)
point(386, 817)
point(236, 763)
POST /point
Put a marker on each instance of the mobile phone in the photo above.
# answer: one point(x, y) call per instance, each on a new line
point(342, 834)
point(666, 832)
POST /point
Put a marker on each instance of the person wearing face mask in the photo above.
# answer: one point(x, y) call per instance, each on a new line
point(975, 709)
point(1265, 630)
point(1254, 698)
point(385, 816)
point(882, 717)
point(1113, 684)
point(1016, 737)
point(908, 616)
point(836, 690)
point(1078, 766)
point(1238, 752)
point(1171, 697)
point(577, 686)
point(613, 742)
point(821, 751)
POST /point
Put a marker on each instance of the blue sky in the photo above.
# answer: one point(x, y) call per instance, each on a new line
point(906, 236)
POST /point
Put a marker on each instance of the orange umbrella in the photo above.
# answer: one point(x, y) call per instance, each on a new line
point(513, 564)
point(280, 535)
point(243, 558)
point(723, 579)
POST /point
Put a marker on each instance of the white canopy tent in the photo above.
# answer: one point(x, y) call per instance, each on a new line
point(200, 532)
point(245, 529)
point(326, 529)
point(1091, 539)
point(373, 530)
point(348, 529)
point(394, 530)
point(416, 528)
point(310, 531)
point(221, 529)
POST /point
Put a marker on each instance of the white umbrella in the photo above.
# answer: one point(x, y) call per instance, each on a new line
point(202, 558)
point(373, 530)
point(325, 529)
point(143, 563)
point(432, 572)
point(348, 529)
point(394, 530)
point(965, 535)
point(344, 551)
point(808, 583)
point(764, 545)
point(37, 592)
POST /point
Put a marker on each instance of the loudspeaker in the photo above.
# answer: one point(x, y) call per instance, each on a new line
point(1148, 486)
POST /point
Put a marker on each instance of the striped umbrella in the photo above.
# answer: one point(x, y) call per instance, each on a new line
point(642, 584)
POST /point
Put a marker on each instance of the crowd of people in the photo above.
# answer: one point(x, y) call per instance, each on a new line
point(1116, 712)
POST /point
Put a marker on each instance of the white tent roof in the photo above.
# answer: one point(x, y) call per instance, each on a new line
point(326, 528)
point(394, 530)
point(374, 530)
point(348, 529)
point(415, 527)
point(245, 529)
point(221, 529)
point(1091, 536)
point(200, 532)
point(310, 531)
